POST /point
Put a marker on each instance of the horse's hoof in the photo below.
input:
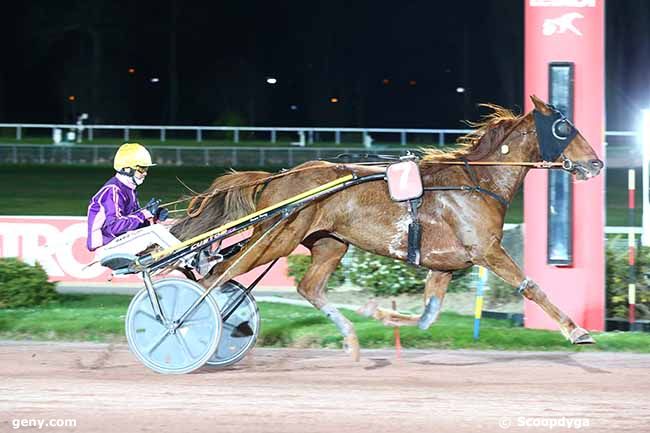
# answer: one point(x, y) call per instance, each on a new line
point(427, 319)
point(430, 314)
point(351, 346)
point(581, 336)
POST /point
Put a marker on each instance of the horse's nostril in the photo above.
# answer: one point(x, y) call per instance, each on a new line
point(597, 164)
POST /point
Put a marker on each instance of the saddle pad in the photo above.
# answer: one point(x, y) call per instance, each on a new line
point(404, 181)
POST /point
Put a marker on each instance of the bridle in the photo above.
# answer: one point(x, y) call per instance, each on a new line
point(556, 133)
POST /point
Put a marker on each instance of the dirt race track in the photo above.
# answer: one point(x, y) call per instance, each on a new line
point(104, 389)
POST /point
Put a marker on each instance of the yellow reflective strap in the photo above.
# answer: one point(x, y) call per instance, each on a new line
point(159, 255)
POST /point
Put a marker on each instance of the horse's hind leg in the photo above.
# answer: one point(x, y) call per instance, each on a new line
point(434, 292)
point(499, 262)
point(326, 253)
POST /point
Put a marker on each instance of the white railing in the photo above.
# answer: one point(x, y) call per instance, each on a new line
point(272, 131)
point(623, 149)
point(235, 157)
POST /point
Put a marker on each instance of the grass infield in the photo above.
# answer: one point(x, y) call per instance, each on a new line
point(66, 190)
point(101, 318)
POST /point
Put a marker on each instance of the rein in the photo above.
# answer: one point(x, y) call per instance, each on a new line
point(212, 193)
point(541, 164)
point(566, 164)
point(205, 196)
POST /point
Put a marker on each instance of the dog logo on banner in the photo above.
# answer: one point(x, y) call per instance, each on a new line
point(562, 24)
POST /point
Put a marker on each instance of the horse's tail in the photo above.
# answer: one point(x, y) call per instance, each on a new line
point(230, 197)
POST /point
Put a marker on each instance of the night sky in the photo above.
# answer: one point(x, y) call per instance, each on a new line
point(389, 64)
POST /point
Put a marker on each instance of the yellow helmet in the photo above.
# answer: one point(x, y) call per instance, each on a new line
point(132, 155)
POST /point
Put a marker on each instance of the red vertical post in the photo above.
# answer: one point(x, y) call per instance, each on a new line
point(631, 287)
point(568, 31)
point(398, 342)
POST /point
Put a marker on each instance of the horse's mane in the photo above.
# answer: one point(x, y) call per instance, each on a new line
point(488, 132)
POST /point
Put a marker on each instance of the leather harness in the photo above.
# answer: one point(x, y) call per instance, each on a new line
point(555, 132)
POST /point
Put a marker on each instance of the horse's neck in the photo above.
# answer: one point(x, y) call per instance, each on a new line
point(506, 180)
point(502, 180)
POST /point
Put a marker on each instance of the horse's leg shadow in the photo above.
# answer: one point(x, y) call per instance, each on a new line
point(434, 292)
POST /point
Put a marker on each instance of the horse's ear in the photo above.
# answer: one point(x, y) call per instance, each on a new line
point(540, 105)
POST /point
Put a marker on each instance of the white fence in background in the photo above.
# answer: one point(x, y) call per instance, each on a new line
point(312, 134)
point(401, 134)
point(236, 157)
point(623, 148)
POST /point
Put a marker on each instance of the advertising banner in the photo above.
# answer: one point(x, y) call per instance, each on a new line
point(59, 245)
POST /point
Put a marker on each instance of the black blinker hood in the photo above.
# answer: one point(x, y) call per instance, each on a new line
point(551, 144)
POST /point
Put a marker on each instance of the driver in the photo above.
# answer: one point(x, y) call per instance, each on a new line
point(116, 222)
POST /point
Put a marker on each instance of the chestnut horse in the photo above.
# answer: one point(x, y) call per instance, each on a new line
point(459, 228)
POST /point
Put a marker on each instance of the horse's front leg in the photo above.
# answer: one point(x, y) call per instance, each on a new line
point(434, 292)
point(499, 262)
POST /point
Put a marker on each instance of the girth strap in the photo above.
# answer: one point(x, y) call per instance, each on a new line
point(475, 188)
point(415, 233)
point(478, 188)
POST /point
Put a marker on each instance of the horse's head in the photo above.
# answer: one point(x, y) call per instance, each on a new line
point(559, 140)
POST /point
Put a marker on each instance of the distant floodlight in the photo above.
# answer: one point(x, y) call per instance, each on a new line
point(334, 100)
point(72, 98)
point(271, 80)
point(645, 131)
point(460, 90)
point(131, 71)
point(155, 80)
point(293, 107)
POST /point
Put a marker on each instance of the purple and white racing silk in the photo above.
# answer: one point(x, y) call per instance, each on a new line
point(114, 211)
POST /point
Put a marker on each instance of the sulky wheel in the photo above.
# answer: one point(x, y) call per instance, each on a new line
point(240, 329)
point(163, 349)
